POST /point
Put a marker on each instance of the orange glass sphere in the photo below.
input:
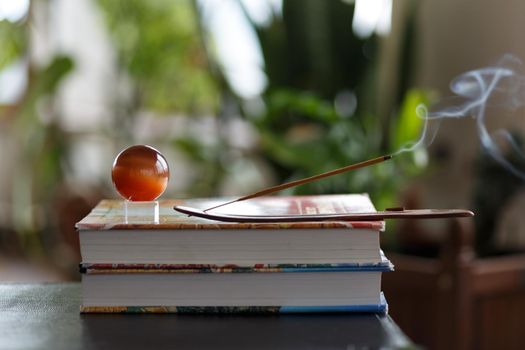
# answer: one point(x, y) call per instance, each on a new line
point(140, 173)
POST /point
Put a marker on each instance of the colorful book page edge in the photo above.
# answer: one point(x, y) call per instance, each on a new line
point(383, 265)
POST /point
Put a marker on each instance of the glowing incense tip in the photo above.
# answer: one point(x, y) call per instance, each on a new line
point(306, 180)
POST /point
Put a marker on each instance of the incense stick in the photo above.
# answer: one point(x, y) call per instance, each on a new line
point(305, 180)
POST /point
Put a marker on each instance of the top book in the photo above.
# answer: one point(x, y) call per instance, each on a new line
point(107, 236)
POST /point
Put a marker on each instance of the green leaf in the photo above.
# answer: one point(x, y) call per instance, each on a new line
point(408, 127)
point(13, 40)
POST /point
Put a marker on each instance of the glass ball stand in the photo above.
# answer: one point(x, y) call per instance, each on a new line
point(140, 212)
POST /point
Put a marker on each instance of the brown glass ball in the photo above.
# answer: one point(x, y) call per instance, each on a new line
point(140, 173)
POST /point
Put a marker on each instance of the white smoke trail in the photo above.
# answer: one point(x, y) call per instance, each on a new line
point(501, 86)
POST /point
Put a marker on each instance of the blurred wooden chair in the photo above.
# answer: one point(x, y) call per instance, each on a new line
point(456, 300)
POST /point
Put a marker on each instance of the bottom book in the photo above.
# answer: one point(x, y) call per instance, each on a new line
point(262, 289)
point(381, 308)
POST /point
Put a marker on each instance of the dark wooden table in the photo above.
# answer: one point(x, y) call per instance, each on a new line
point(46, 316)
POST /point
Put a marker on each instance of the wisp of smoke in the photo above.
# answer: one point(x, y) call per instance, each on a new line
point(500, 86)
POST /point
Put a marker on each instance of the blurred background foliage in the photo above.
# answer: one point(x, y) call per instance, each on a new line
point(159, 47)
point(320, 108)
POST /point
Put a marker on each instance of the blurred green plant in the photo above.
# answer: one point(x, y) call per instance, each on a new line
point(208, 163)
point(42, 154)
point(312, 60)
point(39, 159)
point(12, 37)
point(303, 135)
point(158, 46)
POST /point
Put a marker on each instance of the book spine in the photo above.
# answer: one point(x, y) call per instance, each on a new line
point(380, 308)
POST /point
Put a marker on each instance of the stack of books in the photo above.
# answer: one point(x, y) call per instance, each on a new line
point(186, 264)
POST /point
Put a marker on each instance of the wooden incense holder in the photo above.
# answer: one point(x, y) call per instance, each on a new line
point(394, 213)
